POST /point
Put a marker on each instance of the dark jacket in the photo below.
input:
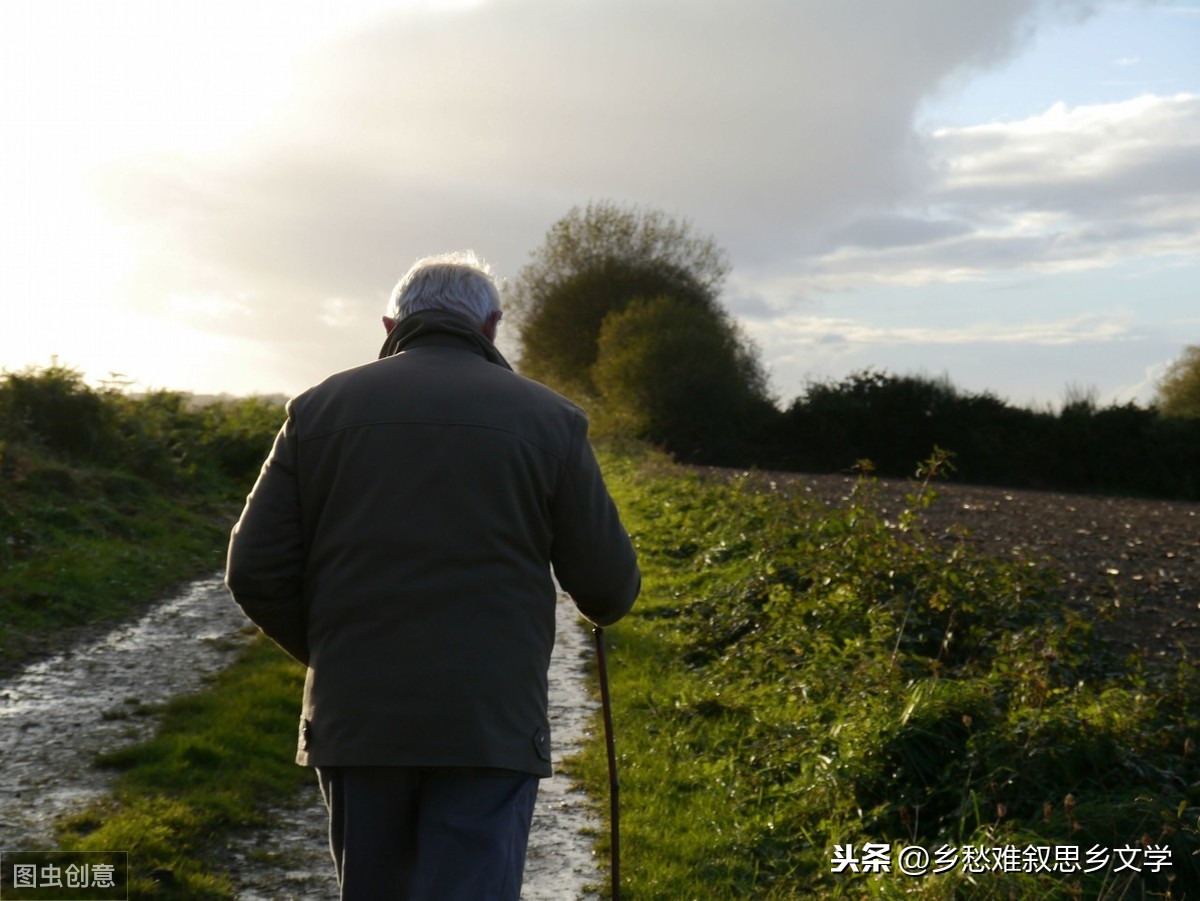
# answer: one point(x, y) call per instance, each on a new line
point(399, 541)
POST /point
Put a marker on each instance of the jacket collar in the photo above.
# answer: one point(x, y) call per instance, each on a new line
point(439, 327)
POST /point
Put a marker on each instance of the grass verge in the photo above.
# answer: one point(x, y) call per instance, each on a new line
point(87, 546)
point(798, 683)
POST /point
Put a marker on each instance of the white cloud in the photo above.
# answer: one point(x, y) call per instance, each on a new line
point(336, 312)
point(1067, 147)
point(420, 133)
point(857, 334)
point(206, 310)
point(1069, 189)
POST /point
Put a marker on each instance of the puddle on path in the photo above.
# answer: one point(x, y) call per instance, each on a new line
point(57, 714)
point(560, 864)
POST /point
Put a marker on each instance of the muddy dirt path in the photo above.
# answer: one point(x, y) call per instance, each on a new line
point(57, 714)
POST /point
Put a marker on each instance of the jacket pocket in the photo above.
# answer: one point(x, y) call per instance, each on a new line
point(541, 743)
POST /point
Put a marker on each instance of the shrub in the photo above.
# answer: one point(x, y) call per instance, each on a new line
point(681, 377)
point(56, 410)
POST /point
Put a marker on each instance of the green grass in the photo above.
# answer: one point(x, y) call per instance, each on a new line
point(795, 678)
point(108, 500)
point(85, 545)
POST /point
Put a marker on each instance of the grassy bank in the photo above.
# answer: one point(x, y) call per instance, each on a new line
point(89, 545)
point(798, 682)
point(108, 501)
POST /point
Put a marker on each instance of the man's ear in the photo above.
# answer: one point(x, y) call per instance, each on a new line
point(389, 323)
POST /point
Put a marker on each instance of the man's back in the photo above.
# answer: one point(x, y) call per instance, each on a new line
point(399, 542)
point(435, 487)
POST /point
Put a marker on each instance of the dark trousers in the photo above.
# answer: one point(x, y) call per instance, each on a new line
point(428, 833)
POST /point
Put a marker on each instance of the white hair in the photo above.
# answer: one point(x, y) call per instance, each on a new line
point(458, 282)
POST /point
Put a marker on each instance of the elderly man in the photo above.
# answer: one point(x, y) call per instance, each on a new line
point(399, 542)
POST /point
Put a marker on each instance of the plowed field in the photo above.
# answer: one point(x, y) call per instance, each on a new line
point(1134, 562)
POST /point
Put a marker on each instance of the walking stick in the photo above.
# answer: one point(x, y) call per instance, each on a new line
point(613, 806)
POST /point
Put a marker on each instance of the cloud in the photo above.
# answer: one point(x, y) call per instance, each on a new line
point(749, 305)
point(1069, 189)
point(1060, 157)
point(336, 313)
point(763, 124)
point(785, 130)
point(897, 230)
point(196, 310)
point(857, 334)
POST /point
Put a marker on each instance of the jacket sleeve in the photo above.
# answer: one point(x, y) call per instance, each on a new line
point(265, 568)
point(593, 557)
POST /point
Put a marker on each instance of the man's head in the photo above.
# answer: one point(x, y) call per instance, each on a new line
point(455, 282)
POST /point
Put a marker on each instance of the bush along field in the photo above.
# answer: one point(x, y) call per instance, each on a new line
point(108, 500)
point(811, 700)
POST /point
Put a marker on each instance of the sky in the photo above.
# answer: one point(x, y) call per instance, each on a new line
point(218, 196)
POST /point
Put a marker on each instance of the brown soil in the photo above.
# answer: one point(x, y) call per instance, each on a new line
point(1134, 559)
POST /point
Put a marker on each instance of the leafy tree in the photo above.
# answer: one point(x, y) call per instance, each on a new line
point(1179, 389)
point(595, 260)
point(681, 376)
